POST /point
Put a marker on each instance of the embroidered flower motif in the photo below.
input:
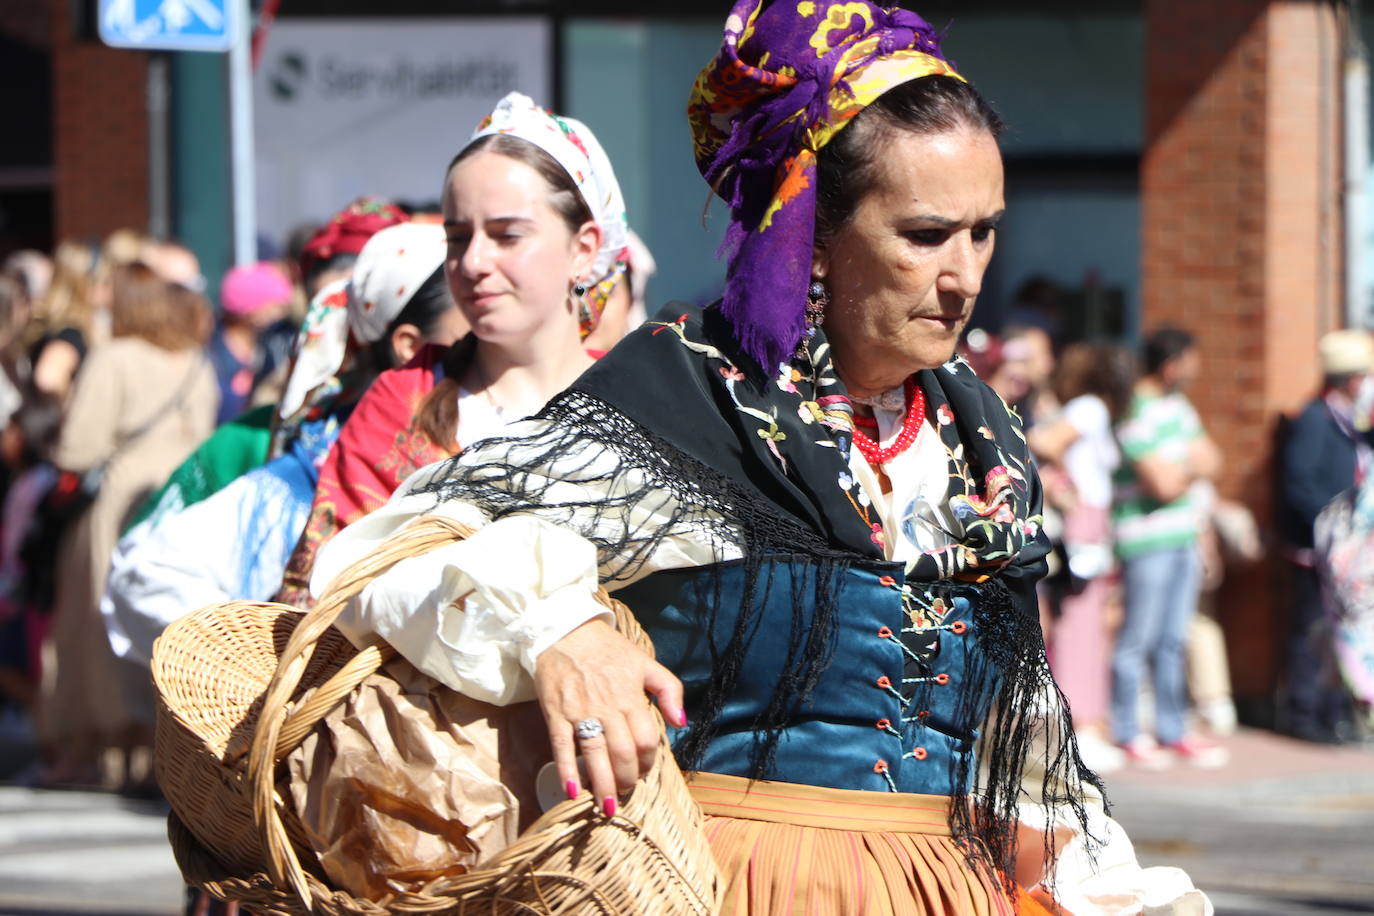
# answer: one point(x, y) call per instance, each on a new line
point(810, 412)
point(771, 437)
point(729, 373)
point(845, 480)
point(674, 325)
point(788, 378)
point(986, 434)
point(944, 415)
point(877, 535)
point(836, 412)
point(1001, 479)
point(924, 616)
point(965, 507)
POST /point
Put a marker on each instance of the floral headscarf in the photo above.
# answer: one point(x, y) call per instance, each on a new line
point(789, 76)
point(391, 268)
point(573, 146)
point(312, 383)
point(348, 230)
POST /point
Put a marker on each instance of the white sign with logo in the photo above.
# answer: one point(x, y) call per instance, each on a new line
point(345, 107)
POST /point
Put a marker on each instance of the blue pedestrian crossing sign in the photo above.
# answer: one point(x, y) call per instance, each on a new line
point(169, 25)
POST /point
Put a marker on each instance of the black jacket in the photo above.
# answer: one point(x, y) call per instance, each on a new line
point(1318, 462)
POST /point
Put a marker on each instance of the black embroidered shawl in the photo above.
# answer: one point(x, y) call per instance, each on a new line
point(731, 455)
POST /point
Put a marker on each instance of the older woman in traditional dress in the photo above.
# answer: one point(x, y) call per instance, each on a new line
point(828, 526)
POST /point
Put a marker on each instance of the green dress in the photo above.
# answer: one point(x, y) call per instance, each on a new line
point(235, 448)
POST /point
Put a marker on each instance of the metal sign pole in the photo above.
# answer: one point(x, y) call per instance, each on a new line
point(241, 135)
point(159, 145)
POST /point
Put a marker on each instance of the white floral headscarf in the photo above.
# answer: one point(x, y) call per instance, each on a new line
point(393, 264)
point(573, 146)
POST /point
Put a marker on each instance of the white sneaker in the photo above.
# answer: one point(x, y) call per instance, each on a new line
point(1218, 716)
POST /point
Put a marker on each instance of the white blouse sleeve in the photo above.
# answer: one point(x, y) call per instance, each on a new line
point(476, 614)
point(1096, 873)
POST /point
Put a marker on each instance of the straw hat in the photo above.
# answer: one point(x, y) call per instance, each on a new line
point(1346, 352)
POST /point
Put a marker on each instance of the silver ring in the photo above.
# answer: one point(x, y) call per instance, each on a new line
point(588, 728)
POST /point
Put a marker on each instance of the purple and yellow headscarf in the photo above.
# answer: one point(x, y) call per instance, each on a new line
point(789, 76)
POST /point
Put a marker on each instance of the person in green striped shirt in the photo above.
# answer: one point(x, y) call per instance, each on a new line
point(1165, 451)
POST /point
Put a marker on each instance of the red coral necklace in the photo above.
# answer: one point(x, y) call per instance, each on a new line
point(911, 427)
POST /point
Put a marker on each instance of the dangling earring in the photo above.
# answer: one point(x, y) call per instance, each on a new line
point(817, 298)
point(584, 308)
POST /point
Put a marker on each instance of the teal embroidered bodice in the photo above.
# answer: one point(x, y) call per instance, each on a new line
point(905, 689)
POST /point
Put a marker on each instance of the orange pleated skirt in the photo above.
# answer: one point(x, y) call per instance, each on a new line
point(794, 850)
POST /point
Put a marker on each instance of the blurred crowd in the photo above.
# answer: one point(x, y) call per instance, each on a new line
point(1144, 544)
point(114, 369)
point(161, 454)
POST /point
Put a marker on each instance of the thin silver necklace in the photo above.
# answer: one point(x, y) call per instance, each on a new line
point(486, 388)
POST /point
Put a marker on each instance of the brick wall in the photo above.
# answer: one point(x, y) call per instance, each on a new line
point(26, 21)
point(100, 134)
point(1240, 243)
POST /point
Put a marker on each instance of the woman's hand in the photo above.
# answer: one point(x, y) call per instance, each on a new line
point(595, 673)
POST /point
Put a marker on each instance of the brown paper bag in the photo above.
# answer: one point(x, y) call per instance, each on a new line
point(408, 780)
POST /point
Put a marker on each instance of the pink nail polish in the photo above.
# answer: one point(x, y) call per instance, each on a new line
point(572, 788)
point(608, 805)
point(680, 720)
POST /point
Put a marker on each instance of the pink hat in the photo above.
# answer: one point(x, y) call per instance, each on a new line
point(246, 289)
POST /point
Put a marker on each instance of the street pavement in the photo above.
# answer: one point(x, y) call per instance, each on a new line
point(1284, 829)
point(87, 853)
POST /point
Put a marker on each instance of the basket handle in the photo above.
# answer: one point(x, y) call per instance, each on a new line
point(270, 736)
point(317, 704)
point(279, 730)
point(304, 716)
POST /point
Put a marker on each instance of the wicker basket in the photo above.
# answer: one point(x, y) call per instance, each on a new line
point(241, 684)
